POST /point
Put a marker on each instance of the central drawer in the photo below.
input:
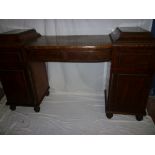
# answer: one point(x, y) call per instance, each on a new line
point(70, 55)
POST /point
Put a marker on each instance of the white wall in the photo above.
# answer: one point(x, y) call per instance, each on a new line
point(75, 77)
point(73, 26)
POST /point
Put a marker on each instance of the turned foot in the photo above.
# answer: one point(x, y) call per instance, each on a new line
point(139, 117)
point(37, 109)
point(12, 107)
point(109, 115)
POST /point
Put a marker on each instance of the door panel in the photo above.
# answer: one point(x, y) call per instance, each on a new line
point(16, 87)
point(128, 92)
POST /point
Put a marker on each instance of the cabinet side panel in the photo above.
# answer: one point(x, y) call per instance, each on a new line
point(40, 80)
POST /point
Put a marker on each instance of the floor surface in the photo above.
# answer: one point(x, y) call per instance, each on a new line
point(65, 114)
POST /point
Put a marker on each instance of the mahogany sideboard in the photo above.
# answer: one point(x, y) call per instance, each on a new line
point(131, 51)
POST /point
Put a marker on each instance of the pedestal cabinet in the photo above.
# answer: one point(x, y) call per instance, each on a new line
point(24, 82)
point(132, 68)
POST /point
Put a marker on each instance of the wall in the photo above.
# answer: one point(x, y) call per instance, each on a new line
point(76, 78)
point(72, 26)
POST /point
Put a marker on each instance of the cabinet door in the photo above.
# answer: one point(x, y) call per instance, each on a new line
point(128, 93)
point(16, 87)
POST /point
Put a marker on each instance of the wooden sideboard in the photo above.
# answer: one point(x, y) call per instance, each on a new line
point(131, 51)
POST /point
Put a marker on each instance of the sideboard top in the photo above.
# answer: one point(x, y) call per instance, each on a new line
point(34, 40)
point(78, 41)
point(18, 36)
point(131, 34)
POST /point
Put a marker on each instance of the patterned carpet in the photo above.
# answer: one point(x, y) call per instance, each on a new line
point(69, 114)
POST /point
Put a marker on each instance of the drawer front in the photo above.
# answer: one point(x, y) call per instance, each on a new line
point(87, 55)
point(70, 55)
point(132, 59)
point(10, 56)
point(45, 55)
